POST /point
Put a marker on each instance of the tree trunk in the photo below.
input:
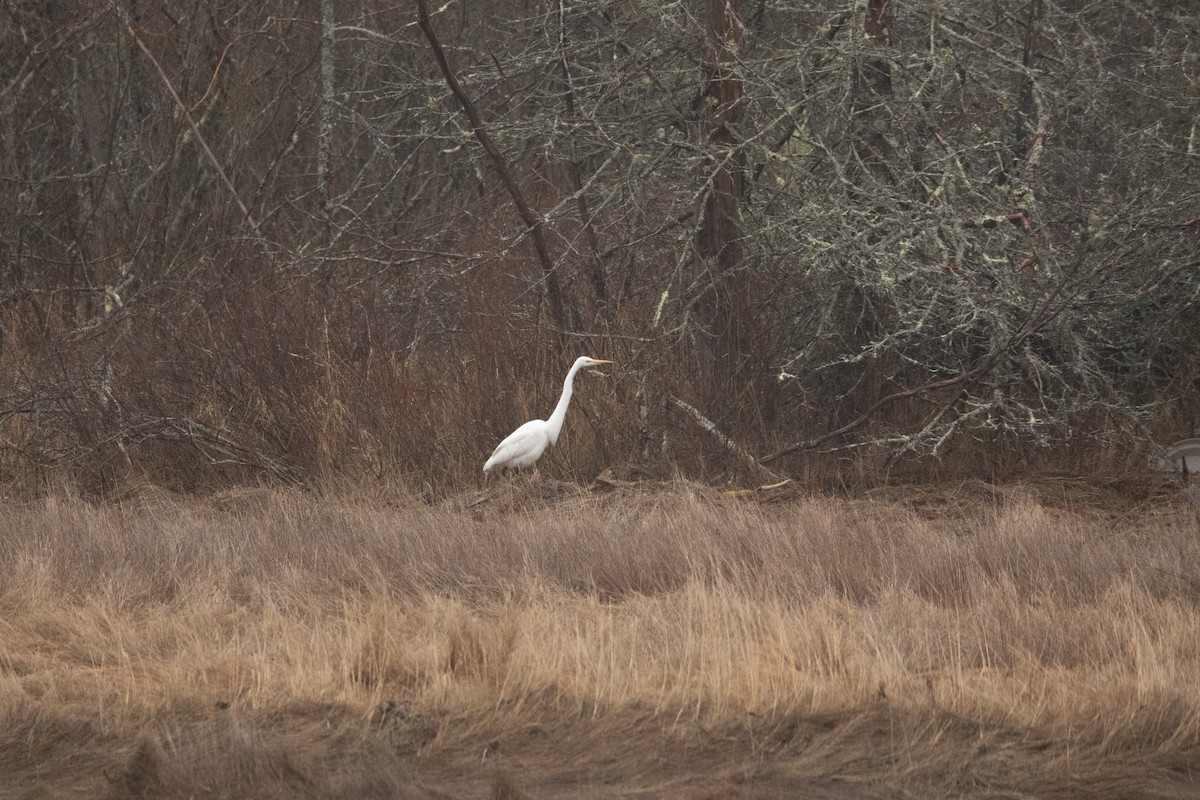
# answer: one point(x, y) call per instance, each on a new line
point(723, 339)
point(866, 314)
point(872, 86)
point(325, 132)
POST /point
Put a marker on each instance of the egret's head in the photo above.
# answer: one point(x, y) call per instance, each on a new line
point(587, 361)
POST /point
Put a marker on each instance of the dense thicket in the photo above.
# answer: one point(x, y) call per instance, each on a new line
point(312, 240)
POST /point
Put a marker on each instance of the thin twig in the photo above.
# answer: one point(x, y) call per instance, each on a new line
point(187, 115)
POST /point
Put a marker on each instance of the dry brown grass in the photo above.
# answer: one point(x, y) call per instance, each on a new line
point(671, 642)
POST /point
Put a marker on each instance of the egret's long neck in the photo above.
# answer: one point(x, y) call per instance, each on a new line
point(560, 411)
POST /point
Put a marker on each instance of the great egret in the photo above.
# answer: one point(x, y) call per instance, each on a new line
point(526, 444)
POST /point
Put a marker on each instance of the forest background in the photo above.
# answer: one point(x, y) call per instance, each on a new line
point(363, 240)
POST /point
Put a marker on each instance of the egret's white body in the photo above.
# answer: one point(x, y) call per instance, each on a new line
point(526, 444)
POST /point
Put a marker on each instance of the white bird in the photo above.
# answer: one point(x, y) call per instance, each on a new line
point(526, 444)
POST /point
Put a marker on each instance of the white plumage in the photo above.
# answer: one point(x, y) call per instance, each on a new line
point(526, 444)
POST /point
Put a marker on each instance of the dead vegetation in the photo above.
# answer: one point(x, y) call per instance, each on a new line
point(1030, 640)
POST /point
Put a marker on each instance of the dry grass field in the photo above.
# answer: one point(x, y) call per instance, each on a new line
point(1040, 640)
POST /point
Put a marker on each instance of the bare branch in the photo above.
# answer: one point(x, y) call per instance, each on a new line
point(187, 115)
point(532, 222)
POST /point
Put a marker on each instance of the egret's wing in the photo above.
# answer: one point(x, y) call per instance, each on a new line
point(527, 440)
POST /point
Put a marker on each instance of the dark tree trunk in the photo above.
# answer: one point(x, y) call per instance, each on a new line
point(724, 336)
point(872, 88)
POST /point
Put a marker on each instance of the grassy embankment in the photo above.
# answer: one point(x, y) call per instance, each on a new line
point(1015, 642)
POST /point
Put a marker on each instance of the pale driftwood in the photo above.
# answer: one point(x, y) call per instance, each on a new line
point(725, 441)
